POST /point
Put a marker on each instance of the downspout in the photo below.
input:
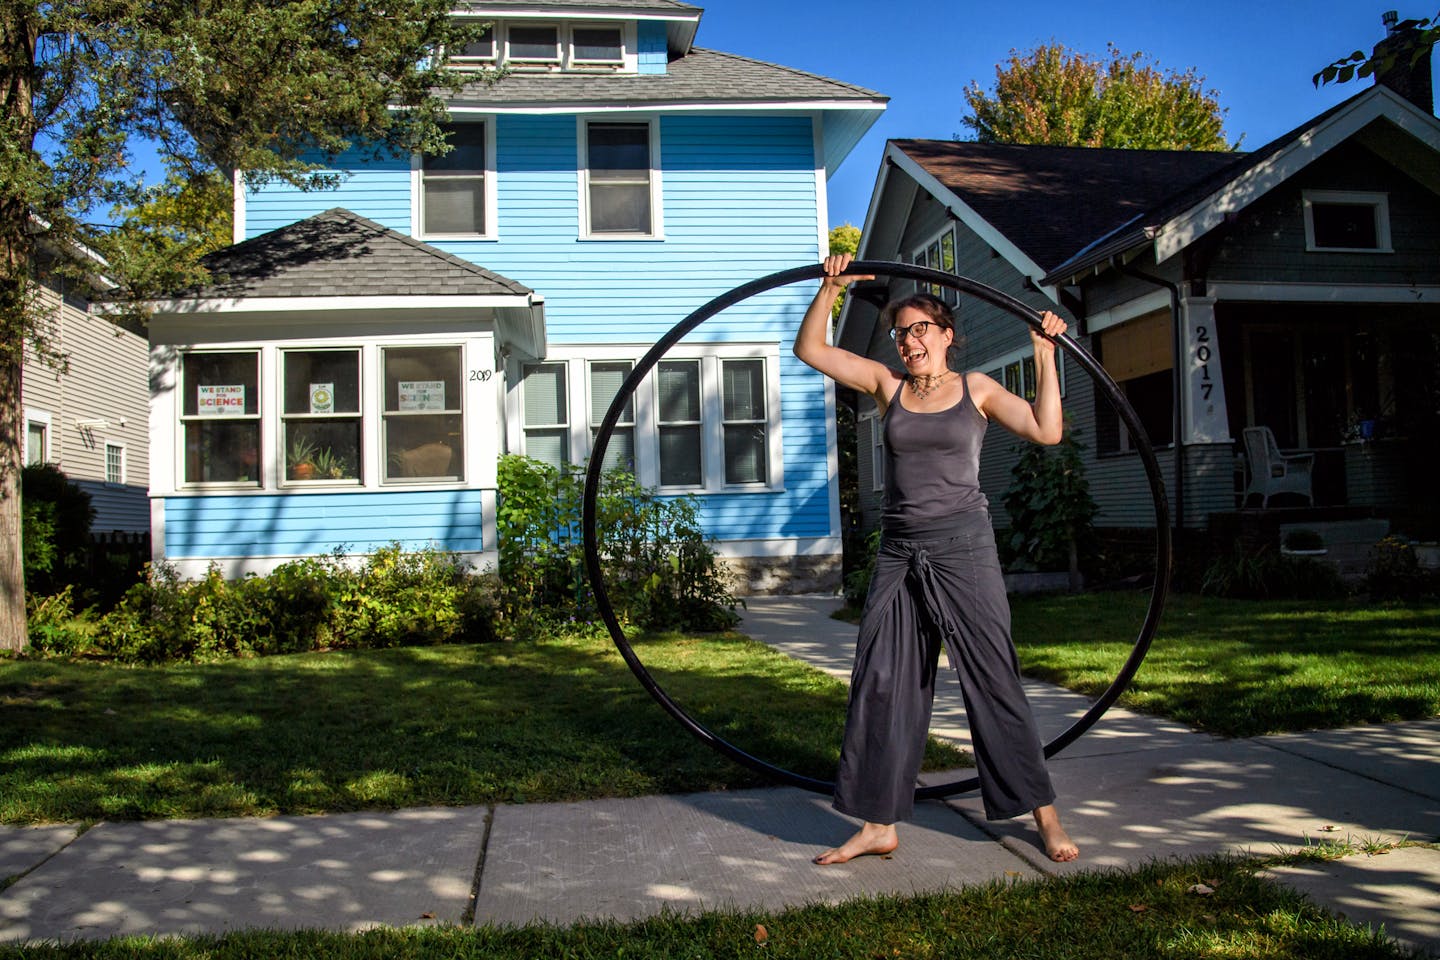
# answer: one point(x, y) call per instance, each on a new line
point(1175, 397)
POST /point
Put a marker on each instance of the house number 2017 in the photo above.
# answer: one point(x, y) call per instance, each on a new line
point(480, 376)
point(1202, 355)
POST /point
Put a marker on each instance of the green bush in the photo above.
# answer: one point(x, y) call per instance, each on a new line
point(857, 582)
point(55, 527)
point(1265, 574)
point(660, 572)
point(1394, 572)
point(1051, 511)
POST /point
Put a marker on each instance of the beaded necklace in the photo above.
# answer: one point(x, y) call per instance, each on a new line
point(924, 384)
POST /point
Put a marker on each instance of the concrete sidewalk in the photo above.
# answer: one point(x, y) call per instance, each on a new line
point(1132, 789)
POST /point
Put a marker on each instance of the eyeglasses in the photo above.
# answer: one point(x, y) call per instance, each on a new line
point(916, 330)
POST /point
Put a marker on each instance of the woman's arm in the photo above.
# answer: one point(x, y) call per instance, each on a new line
point(842, 366)
point(1041, 421)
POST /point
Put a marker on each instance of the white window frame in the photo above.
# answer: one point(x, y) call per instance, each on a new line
point(283, 419)
point(646, 404)
point(262, 384)
point(1379, 203)
point(920, 255)
point(995, 368)
point(567, 425)
point(379, 427)
point(627, 61)
point(537, 63)
point(417, 189)
point(121, 471)
point(877, 450)
point(462, 62)
point(44, 419)
point(657, 217)
point(592, 424)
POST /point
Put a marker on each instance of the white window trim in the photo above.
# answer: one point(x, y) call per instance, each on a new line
point(44, 418)
point(568, 424)
point(633, 425)
point(582, 173)
point(124, 465)
point(558, 61)
point(646, 404)
point(417, 190)
point(949, 294)
point(281, 417)
point(1378, 202)
point(629, 61)
point(877, 450)
point(261, 402)
point(480, 63)
point(1020, 356)
point(380, 440)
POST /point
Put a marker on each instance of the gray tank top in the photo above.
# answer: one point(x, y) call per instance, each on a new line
point(932, 461)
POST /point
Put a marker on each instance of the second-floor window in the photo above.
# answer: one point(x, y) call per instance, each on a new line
point(620, 179)
point(938, 254)
point(455, 189)
point(114, 463)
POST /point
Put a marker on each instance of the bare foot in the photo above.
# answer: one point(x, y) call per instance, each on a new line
point(872, 838)
point(1058, 845)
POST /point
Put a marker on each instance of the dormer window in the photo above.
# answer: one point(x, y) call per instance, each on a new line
point(597, 46)
point(534, 43)
point(1342, 221)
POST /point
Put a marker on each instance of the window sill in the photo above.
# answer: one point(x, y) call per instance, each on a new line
point(626, 237)
point(432, 237)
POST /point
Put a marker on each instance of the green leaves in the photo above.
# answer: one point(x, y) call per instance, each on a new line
point(1419, 36)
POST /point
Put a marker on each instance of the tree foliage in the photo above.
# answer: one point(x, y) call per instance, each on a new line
point(1424, 34)
point(274, 88)
point(1052, 95)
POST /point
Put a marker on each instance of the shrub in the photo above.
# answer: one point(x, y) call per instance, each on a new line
point(857, 582)
point(660, 572)
point(55, 525)
point(1251, 574)
point(1051, 511)
point(1394, 572)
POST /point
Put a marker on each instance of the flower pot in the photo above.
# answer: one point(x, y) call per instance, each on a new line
point(303, 471)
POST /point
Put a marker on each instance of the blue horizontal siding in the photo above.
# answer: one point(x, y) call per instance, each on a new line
point(653, 53)
point(312, 524)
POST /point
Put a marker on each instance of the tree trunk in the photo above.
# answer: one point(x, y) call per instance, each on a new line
point(18, 31)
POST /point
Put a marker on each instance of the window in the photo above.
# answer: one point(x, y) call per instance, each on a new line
point(37, 438)
point(619, 182)
point(705, 422)
point(938, 254)
point(1343, 221)
point(534, 43)
point(547, 429)
point(455, 190)
point(320, 424)
point(606, 378)
point(1137, 355)
point(1016, 371)
point(597, 46)
point(220, 416)
point(677, 385)
point(114, 463)
point(744, 420)
point(479, 53)
point(877, 452)
point(422, 425)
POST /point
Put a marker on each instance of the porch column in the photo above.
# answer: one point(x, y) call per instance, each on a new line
point(1204, 416)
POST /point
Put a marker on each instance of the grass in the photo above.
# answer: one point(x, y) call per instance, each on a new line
point(551, 720)
point(1243, 667)
point(1145, 914)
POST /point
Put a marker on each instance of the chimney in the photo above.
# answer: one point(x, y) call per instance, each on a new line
point(1407, 67)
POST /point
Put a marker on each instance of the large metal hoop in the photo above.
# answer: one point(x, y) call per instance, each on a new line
point(928, 276)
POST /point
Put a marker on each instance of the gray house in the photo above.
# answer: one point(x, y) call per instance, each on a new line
point(1294, 288)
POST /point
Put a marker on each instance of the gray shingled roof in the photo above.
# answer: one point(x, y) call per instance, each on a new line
point(1053, 201)
point(702, 76)
point(341, 254)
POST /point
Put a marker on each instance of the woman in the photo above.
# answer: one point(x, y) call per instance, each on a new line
point(937, 579)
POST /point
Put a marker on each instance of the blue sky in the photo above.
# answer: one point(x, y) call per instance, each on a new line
point(1259, 57)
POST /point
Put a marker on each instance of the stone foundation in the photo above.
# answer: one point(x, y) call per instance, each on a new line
point(764, 576)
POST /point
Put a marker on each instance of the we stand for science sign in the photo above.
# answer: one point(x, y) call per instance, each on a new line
point(220, 401)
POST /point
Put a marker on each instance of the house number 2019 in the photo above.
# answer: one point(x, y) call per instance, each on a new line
point(480, 376)
point(1202, 355)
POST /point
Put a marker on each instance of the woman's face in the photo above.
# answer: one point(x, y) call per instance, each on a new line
point(926, 352)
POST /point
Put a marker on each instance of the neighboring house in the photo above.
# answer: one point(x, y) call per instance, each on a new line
point(90, 417)
point(1296, 287)
point(434, 313)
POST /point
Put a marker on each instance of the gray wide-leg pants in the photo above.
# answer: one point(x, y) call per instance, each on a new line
point(927, 593)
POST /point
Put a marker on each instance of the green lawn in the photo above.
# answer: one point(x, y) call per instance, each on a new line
point(536, 721)
point(1243, 667)
point(1145, 914)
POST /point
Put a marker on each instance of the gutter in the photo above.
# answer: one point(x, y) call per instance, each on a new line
point(1175, 396)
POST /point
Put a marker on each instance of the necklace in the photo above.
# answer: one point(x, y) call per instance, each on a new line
point(924, 384)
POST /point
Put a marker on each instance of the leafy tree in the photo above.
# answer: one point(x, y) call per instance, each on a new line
point(157, 245)
point(1419, 35)
point(846, 239)
point(1051, 511)
point(273, 88)
point(1053, 95)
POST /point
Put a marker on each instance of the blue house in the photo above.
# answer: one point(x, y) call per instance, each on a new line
point(364, 356)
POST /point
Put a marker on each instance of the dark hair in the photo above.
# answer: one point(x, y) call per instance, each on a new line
point(937, 310)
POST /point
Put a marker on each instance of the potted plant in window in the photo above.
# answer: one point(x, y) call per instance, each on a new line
point(327, 465)
point(300, 460)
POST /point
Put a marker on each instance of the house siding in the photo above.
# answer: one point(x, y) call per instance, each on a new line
point(106, 379)
point(653, 54)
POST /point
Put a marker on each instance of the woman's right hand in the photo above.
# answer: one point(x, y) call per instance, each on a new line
point(835, 276)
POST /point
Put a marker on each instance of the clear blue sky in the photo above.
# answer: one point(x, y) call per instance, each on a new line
point(1257, 56)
